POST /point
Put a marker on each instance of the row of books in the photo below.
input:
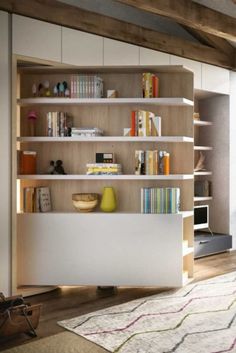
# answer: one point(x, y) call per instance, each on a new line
point(37, 199)
point(160, 200)
point(145, 123)
point(103, 169)
point(150, 83)
point(87, 132)
point(58, 124)
point(88, 86)
point(152, 162)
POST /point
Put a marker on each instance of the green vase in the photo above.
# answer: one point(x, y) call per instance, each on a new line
point(108, 202)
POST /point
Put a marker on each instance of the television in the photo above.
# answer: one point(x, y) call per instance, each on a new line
point(201, 217)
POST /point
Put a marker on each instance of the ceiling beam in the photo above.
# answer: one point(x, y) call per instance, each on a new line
point(212, 41)
point(69, 16)
point(190, 14)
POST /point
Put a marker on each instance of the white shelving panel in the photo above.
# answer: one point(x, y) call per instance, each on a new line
point(202, 198)
point(89, 239)
point(107, 139)
point(202, 148)
point(156, 101)
point(202, 123)
point(203, 173)
point(105, 177)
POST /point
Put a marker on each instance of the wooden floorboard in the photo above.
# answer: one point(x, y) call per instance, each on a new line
point(67, 302)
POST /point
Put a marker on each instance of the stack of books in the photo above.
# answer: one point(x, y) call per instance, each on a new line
point(58, 124)
point(37, 199)
point(88, 132)
point(150, 85)
point(146, 162)
point(88, 86)
point(103, 169)
point(160, 200)
point(145, 123)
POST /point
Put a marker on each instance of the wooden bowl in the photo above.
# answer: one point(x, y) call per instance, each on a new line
point(85, 202)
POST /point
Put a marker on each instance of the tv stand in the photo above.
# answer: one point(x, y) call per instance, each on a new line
point(207, 244)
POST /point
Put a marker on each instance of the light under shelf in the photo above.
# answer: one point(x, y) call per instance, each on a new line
point(105, 177)
point(202, 198)
point(108, 101)
point(202, 148)
point(107, 139)
point(202, 123)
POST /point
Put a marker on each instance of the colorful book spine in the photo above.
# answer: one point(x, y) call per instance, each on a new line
point(160, 200)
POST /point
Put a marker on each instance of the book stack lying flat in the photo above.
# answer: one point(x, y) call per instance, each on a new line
point(87, 132)
point(145, 123)
point(160, 200)
point(37, 199)
point(86, 86)
point(103, 169)
point(150, 85)
point(57, 124)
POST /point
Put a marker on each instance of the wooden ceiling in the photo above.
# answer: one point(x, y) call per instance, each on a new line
point(212, 29)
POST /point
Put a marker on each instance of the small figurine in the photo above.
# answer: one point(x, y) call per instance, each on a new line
point(61, 90)
point(34, 90)
point(46, 85)
point(59, 168)
point(55, 91)
point(32, 117)
point(40, 90)
point(51, 167)
point(67, 92)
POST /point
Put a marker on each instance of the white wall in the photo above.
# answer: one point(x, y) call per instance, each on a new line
point(5, 156)
point(233, 156)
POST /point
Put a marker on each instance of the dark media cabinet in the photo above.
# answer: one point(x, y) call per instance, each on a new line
point(207, 244)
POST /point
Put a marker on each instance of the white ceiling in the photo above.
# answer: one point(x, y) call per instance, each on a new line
point(225, 6)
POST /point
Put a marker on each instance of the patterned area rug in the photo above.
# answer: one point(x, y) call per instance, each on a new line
point(199, 318)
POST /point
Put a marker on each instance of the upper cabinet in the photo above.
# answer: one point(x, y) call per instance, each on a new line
point(81, 49)
point(118, 53)
point(215, 79)
point(36, 39)
point(153, 57)
point(195, 66)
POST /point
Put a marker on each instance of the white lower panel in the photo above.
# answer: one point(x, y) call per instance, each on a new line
point(100, 249)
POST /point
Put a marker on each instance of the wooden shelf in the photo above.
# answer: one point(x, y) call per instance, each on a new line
point(198, 198)
point(202, 148)
point(105, 177)
point(201, 123)
point(107, 139)
point(202, 173)
point(183, 214)
point(107, 101)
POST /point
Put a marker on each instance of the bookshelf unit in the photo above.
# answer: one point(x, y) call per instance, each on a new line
point(64, 247)
point(212, 133)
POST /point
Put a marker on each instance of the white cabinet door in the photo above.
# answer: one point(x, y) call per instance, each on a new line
point(118, 53)
point(215, 79)
point(36, 39)
point(153, 57)
point(195, 66)
point(81, 49)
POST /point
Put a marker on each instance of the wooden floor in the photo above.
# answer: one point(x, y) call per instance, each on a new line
point(67, 302)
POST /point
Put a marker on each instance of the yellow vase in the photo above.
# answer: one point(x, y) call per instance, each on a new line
point(108, 202)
